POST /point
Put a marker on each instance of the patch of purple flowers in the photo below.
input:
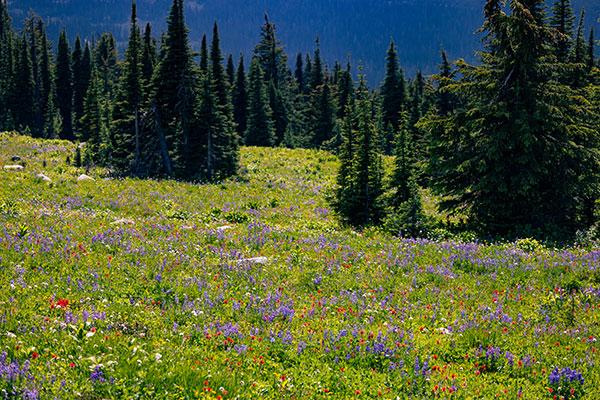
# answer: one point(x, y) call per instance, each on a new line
point(565, 375)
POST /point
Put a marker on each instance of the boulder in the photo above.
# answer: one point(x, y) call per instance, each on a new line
point(44, 178)
point(122, 221)
point(253, 261)
point(223, 228)
point(85, 178)
point(14, 167)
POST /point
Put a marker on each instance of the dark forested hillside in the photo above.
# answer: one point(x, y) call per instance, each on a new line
point(360, 27)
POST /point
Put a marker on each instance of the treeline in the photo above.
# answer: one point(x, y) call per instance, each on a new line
point(511, 143)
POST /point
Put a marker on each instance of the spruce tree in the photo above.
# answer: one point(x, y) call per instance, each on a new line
point(511, 159)
point(393, 90)
point(125, 130)
point(91, 123)
point(563, 21)
point(346, 92)
point(240, 99)
point(204, 56)
point(446, 101)
point(279, 113)
point(230, 71)
point(218, 76)
point(6, 65)
point(47, 85)
point(403, 168)
point(299, 73)
point(579, 54)
point(64, 86)
point(149, 59)
point(173, 92)
point(22, 93)
point(259, 130)
point(368, 171)
point(591, 57)
point(226, 140)
point(81, 78)
point(271, 55)
point(344, 201)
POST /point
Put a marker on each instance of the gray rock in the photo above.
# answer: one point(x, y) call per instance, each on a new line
point(44, 178)
point(14, 167)
point(223, 228)
point(122, 221)
point(85, 178)
point(254, 261)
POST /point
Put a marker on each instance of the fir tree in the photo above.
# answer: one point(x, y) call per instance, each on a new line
point(446, 101)
point(125, 130)
point(6, 65)
point(218, 76)
point(344, 201)
point(230, 71)
point(367, 173)
point(279, 113)
point(317, 78)
point(91, 123)
point(510, 159)
point(80, 59)
point(271, 55)
point(259, 131)
point(403, 168)
point(22, 94)
point(393, 90)
point(299, 73)
point(591, 57)
point(240, 99)
point(346, 92)
point(563, 21)
point(204, 55)
point(173, 94)
point(149, 59)
point(64, 86)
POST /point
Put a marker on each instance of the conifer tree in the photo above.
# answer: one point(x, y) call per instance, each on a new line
point(240, 99)
point(509, 158)
point(33, 34)
point(259, 130)
point(47, 84)
point(271, 55)
point(80, 82)
point(344, 202)
point(579, 54)
point(226, 141)
point(403, 168)
point(591, 57)
point(299, 73)
point(346, 93)
point(446, 101)
point(230, 71)
point(317, 78)
point(149, 59)
point(367, 173)
point(204, 55)
point(218, 76)
point(64, 86)
point(173, 92)
point(91, 123)
point(563, 21)
point(279, 113)
point(5, 65)
point(125, 130)
point(22, 94)
point(393, 90)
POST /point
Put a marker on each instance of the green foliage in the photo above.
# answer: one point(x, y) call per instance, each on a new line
point(259, 129)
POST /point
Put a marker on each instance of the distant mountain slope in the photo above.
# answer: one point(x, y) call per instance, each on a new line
point(360, 27)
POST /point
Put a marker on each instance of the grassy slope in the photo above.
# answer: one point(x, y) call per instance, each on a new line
point(164, 308)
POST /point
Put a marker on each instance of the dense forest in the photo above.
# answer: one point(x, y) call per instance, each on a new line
point(511, 142)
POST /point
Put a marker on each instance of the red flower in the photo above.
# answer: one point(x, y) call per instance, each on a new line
point(34, 355)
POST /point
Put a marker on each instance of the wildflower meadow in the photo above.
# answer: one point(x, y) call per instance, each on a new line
point(250, 289)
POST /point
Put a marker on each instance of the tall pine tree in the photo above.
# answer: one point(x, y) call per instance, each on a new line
point(259, 130)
